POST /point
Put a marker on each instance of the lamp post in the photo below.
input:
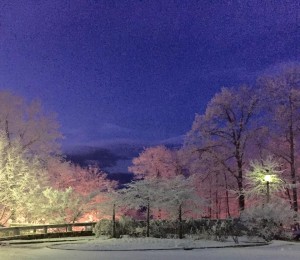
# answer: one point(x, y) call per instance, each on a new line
point(268, 179)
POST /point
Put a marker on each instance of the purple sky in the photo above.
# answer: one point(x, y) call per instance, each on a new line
point(138, 71)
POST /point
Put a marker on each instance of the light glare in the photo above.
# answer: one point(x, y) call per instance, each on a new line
point(268, 178)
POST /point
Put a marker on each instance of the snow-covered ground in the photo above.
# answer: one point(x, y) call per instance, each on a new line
point(91, 249)
point(129, 244)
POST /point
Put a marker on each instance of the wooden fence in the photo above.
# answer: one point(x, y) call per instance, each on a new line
point(17, 231)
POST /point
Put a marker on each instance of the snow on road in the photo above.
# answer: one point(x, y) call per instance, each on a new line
point(128, 244)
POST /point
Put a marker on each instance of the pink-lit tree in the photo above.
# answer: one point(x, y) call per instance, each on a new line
point(36, 130)
point(88, 184)
point(212, 181)
point(281, 92)
point(154, 163)
point(225, 131)
point(58, 206)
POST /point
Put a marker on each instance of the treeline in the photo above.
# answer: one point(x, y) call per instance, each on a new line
point(245, 134)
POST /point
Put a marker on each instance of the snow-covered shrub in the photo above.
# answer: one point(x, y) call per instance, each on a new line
point(129, 226)
point(200, 228)
point(125, 225)
point(219, 231)
point(163, 228)
point(199, 234)
point(222, 229)
point(268, 221)
point(103, 228)
point(139, 232)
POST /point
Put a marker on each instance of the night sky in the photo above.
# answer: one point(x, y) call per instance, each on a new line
point(138, 71)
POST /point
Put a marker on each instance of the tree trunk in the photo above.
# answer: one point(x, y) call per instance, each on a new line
point(240, 178)
point(148, 219)
point(114, 222)
point(217, 204)
point(227, 196)
point(7, 132)
point(180, 227)
point(241, 194)
point(293, 169)
point(210, 199)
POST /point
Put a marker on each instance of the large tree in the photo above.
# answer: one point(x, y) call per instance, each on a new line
point(37, 131)
point(24, 192)
point(281, 92)
point(21, 179)
point(225, 131)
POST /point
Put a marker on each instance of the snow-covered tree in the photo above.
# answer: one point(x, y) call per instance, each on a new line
point(281, 91)
point(24, 195)
point(90, 184)
point(143, 194)
point(112, 204)
point(36, 131)
point(21, 179)
point(180, 198)
point(57, 206)
point(226, 130)
point(154, 162)
point(157, 163)
point(212, 180)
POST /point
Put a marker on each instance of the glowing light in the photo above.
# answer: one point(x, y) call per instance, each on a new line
point(268, 178)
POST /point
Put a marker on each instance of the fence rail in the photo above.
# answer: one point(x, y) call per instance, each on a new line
point(44, 229)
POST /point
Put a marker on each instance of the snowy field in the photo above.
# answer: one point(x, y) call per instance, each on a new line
point(173, 249)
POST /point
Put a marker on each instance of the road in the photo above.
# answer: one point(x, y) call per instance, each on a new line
point(276, 251)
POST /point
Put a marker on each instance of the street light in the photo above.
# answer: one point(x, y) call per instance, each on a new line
point(268, 179)
point(262, 174)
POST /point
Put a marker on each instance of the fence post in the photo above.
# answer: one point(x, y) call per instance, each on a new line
point(45, 229)
point(69, 227)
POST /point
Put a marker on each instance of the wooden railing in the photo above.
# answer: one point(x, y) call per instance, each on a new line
point(44, 229)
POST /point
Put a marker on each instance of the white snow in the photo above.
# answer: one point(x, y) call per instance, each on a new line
point(277, 250)
point(128, 244)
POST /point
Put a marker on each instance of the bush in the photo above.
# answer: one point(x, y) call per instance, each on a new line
point(163, 228)
point(199, 229)
point(222, 229)
point(268, 221)
point(103, 228)
point(124, 226)
point(131, 227)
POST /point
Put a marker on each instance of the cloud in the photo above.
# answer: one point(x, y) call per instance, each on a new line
point(101, 135)
point(175, 140)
